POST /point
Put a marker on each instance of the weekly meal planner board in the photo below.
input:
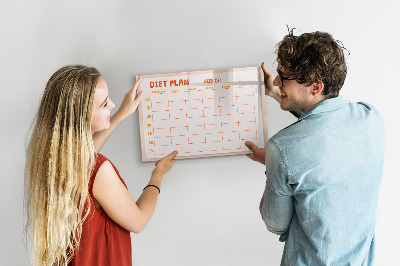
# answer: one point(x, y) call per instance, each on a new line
point(202, 113)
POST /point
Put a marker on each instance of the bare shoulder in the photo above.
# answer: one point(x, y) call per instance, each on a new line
point(106, 170)
point(106, 180)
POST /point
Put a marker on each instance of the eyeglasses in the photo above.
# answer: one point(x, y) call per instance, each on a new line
point(282, 78)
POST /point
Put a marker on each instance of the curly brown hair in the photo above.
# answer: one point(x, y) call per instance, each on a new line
point(314, 57)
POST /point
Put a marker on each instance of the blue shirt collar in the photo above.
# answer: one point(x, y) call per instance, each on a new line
point(325, 106)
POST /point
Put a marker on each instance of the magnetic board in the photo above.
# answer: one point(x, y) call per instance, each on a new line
point(201, 113)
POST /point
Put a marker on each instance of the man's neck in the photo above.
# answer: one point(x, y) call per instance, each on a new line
point(316, 100)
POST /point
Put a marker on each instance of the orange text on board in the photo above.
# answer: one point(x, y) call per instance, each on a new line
point(173, 82)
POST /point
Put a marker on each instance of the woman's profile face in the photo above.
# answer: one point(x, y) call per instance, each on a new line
point(102, 106)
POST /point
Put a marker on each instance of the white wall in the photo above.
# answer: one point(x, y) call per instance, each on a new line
point(208, 208)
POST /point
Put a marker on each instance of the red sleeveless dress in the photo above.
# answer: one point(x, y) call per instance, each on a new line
point(103, 241)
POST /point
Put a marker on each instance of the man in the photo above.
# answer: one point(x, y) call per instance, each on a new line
point(323, 171)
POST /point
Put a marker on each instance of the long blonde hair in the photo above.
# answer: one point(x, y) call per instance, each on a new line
point(60, 158)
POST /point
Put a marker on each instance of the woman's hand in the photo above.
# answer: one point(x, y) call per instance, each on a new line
point(165, 164)
point(270, 89)
point(131, 101)
point(128, 107)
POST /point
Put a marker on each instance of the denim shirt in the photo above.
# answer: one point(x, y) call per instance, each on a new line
point(323, 176)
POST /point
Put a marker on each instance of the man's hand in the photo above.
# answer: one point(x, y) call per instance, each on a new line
point(270, 89)
point(259, 153)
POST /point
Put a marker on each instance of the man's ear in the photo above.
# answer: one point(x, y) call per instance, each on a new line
point(317, 88)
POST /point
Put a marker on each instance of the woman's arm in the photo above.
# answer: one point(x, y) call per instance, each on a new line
point(128, 107)
point(116, 201)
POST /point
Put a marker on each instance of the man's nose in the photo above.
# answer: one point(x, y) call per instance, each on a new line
point(277, 81)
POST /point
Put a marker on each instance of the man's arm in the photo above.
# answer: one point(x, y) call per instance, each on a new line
point(276, 206)
point(276, 211)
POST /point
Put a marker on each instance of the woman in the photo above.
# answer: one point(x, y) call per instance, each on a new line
point(78, 207)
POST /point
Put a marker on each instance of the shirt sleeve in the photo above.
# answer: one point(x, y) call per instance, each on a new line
point(277, 209)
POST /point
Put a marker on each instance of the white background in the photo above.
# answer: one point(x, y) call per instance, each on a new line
point(208, 208)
